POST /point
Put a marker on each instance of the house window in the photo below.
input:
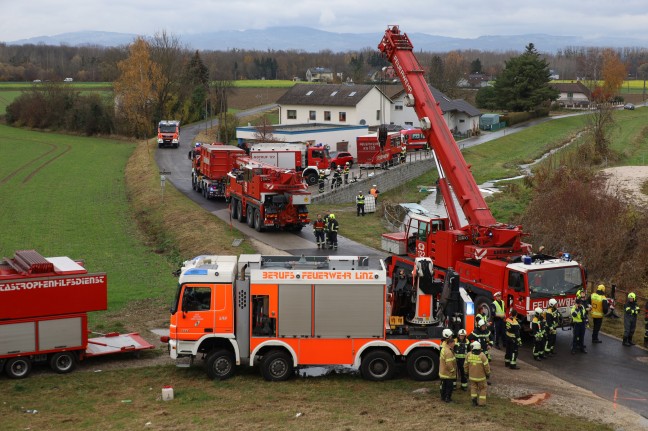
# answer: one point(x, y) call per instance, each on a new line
point(398, 106)
point(378, 115)
point(353, 93)
point(342, 117)
point(327, 115)
point(462, 121)
point(312, 116)
point(292, 114)
point(570, 95)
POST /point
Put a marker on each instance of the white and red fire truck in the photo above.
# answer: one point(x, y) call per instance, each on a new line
point(283, 312)
point(307, 159)
point(43, 314)
point(488, 256)
point(267, 196)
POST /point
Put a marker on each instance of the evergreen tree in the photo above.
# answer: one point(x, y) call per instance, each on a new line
point(476, 66)
point(524, 83)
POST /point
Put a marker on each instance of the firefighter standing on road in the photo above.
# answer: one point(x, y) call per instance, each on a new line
point(537, 331)
point(346, 171)
point(598, 303)
point(337, 178)
point(579, 318)
point(318, 228)
point(513, 341)
point(461, 349)
point(552, 316)
point(498, 311)
point(447, 369)
point(631, 311)
point(360, 203)
point(478, 370)
point(320, 182)
point(333, 227)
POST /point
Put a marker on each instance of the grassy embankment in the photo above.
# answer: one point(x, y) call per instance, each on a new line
point(130, 399)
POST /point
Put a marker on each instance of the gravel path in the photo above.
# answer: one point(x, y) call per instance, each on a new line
point(628, 180)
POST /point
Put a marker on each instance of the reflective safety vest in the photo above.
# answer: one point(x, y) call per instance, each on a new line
point(319, 225)
point(578, 315)
point(631, 308)
point(346, 170)
point(499, 309)
point(597, 305)
point(512, 328)
point(360, 199)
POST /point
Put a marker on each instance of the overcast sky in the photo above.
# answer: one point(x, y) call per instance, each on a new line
point(454, 18)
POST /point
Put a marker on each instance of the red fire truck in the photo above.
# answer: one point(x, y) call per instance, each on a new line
point(488, 256)
point(267, 196)
point(168, 133)
point(210, 168)
point(370, 155)
point(43, 314)
point(414, 139)
point(307, 159)
point(283, 312)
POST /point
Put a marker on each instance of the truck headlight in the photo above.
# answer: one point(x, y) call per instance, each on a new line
point(160, 140)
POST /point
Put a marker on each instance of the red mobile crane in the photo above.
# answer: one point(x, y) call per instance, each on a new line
point(267, 195)
point(488, 256)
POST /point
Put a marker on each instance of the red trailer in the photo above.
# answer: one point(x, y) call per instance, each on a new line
point(43, 314)
point(210, 169)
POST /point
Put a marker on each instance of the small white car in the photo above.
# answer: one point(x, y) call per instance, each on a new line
point(68, 80)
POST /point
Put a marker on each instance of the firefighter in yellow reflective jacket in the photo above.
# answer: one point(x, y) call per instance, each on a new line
point(513, 341)
point(447, 369)
point(478, 371)
point(552, 316)
point(498, 311)
point(537, 331)
point(598, 302)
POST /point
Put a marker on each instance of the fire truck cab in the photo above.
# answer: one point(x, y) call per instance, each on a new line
point(283, 312)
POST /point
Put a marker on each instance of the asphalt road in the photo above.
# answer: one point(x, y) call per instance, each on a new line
point(176, 165)
point(610, 370)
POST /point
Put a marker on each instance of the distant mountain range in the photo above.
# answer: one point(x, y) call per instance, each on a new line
point(312, 40)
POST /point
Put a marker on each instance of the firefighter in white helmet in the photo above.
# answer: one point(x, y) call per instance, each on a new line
point(447, 366)
point(482, 334)
point(552, 316)
point(478, 370)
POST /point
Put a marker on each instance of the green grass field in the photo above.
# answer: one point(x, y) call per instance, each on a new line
point(65, 196)
point(631, 86)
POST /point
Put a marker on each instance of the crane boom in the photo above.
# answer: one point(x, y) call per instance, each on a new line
point(398, 49)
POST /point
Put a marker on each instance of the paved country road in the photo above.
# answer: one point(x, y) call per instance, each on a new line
point(610, 370)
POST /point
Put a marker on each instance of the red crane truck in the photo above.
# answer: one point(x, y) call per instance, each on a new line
point(283, 312)
point(308, 159)
point(43, 314)
point(210, 168)
point(370, 155)
point(267, 196)
point(488, 256)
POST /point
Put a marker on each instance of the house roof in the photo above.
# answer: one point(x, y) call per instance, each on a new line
point(325, 95)
point(320, 70)
point(571, 87)
point(448, 105)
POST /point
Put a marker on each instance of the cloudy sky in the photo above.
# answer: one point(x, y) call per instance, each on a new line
point(458, 18)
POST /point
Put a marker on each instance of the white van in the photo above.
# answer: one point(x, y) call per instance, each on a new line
point(68, 80)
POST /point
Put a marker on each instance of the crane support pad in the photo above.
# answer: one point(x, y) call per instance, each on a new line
point(116, 343)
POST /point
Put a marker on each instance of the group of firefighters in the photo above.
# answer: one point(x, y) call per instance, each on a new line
point(326, 230)
point(467, 357)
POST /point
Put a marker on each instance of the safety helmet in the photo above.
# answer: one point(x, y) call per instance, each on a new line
point(632, 295)
point(481, 322)
point(197, 144)
point(347, 163)
point(447, 333)
point(600, 288)
point(359, 192)
point(476, 345)
point(331, 216)
point(552, 302)
point(461, 332)
point(538, 310)
point(374, 185)
point(497, 294)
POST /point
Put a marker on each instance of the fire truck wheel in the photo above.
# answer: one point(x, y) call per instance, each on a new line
point(220, 364)
point(423, 364)
point(258, 224)
point(250, 216)
point(63, 362)
point(277, 366)
point(234, 208)
point(377, 366)
point(18, 368)
point(312, 179)
point(241, 215)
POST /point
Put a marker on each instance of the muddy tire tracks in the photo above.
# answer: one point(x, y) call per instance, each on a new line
point(52, 149)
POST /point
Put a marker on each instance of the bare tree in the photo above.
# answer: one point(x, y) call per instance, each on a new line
point(169, 54)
